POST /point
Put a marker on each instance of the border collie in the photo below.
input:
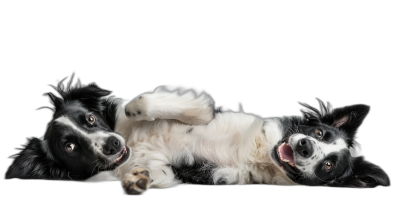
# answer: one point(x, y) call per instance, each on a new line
point(162, 138)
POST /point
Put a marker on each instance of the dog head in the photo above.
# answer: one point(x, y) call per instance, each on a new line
point(317, 149)
point(79, 140)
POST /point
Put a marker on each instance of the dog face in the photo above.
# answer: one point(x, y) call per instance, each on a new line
point(317, 150)
point(78, 142)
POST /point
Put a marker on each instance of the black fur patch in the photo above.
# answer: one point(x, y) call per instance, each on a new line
point(200, 172)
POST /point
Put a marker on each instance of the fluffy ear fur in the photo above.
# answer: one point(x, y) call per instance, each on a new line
point(365, 175)
point(35, 162)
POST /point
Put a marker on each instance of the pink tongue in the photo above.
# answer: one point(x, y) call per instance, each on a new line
point(287, 153)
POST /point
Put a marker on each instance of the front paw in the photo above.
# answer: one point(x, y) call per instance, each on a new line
point(136, 181)
point(137, 110)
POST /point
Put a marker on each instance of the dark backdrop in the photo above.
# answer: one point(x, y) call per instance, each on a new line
point(266, 70)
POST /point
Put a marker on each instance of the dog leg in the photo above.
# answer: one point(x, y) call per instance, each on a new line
point(186, 107)
point(139, 179)
point(136, 181)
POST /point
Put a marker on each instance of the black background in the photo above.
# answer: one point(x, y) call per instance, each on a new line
point(266, 66)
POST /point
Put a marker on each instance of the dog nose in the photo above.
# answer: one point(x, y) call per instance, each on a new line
point(305, 148)
point(112, 146)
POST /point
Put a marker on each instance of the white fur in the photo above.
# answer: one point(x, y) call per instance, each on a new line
point(321, 149)
point(185, 106)
point(238, 143)
point(97, 139)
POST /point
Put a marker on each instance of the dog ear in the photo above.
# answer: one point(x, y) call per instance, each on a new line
point(364, 175)
point(88, 95)
point(347, 118)
point(35, 162)
point(86, 92)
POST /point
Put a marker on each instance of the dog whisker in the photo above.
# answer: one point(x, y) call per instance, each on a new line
point(94, 168)
point(69, 176)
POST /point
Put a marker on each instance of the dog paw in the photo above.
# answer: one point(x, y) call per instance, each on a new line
point(137, 110)
point(136, 181)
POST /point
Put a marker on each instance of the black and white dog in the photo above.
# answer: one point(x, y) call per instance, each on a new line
point(166, 137)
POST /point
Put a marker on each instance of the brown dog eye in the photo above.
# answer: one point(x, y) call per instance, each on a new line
point(319, 133)
point(91, 119)
point(69, 147)
point(328, 165)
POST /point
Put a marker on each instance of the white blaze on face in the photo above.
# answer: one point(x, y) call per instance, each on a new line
point(321, 149)
point(97, 139)
point(336, 146)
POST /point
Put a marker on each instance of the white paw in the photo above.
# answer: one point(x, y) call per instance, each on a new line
point(137, 181)
point(137, 110)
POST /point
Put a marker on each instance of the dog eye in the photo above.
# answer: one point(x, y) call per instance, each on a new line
point(328, 165)
point(319, 133)
point(69, 147)
point(91, 119)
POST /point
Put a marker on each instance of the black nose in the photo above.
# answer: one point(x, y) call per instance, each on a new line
point(112, 146)
point(304, 148)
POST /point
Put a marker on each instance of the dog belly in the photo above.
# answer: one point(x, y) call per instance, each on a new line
point(229, 150)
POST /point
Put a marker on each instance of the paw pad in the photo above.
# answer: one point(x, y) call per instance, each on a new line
point(142, 184)
point(128, 114)
point(136, 181)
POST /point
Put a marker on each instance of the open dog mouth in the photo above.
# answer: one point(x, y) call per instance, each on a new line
point(122, 157)
point(286, 157)
point(286, 153)
point(123, 153)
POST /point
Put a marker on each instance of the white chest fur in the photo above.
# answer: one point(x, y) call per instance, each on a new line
point(234, 142)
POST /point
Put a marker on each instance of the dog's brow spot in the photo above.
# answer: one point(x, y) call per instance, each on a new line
point(139, 112)
point(140, 97)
